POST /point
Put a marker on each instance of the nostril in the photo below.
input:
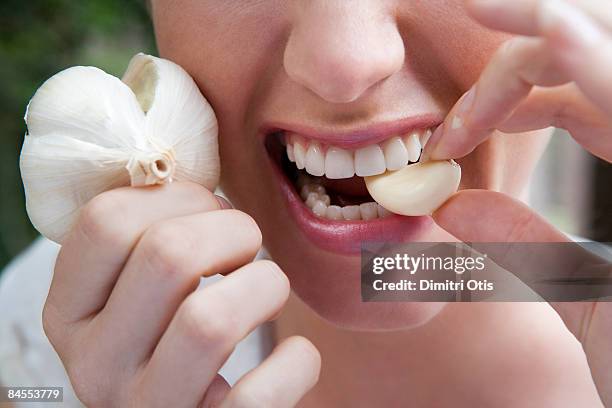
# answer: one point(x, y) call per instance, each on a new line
point(335, 81)
point(344, 56)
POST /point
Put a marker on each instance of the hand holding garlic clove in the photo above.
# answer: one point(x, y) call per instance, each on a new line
point(89, 132)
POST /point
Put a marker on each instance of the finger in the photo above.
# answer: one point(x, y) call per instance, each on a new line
point(550, 264)
point(577, 33)
point(281, 380)
point(216, 393)
point(561, 106)
point(495, 217)
point(581, 48)
point(506, 81)
point(522, 16)
point(109, 227)
point(504, 98)
point(164, 268)
point(205, 330)
point(564, 107)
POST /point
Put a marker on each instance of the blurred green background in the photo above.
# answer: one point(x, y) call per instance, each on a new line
point(38, 38)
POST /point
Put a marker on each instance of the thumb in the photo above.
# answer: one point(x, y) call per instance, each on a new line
point(487, 216)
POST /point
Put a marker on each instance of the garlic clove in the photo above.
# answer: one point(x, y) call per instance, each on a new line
point(418, 189)
point(50, 166)
point(89, 132)
point(88, 105)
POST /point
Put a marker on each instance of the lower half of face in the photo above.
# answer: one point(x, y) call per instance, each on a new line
point(308, 106)
point(314, 226)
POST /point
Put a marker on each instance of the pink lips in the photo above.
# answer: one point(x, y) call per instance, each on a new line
point(360, 137)
point(346, 237)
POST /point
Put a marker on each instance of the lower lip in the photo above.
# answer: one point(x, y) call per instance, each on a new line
point(346, 237)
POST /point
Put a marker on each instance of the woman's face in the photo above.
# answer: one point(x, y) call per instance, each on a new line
point(346, 76)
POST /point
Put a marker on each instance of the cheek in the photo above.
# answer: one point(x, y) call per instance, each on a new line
point(505, 162)
point(449, 41)
point(226, 49)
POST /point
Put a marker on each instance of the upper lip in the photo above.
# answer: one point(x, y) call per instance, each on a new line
point(359, 136)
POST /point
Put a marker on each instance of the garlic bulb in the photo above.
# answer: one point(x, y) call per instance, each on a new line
point(418, 189)
point(89, 132)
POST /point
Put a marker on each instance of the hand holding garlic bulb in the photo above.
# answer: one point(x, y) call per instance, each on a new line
point(89, 132)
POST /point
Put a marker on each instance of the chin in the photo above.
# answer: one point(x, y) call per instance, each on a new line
point(329, 284)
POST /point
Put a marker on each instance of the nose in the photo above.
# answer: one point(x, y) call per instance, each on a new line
point(340, 49)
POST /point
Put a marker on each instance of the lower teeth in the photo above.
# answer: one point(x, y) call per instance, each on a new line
point(316, 198)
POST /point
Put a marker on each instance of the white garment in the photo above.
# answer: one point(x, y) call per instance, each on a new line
point(26, 356)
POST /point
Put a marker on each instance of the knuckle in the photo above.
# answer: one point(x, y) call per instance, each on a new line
point(50, 323)
point(306, 349)
point(167, 247)
point(274, 271)
point(521, 230)
point(195, 190)
point(509, 49)
point(207, 324)
point(245, 395)
point(98, 218)
point(87, 384)
point(247, 225)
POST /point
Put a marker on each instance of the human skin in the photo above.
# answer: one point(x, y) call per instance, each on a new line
point(328, 64)
point(256, 73)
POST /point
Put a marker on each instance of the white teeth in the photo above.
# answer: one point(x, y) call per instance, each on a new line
point(351, 213)
point(315, 162)
point(300, 155)
point(290, 154)
point(368, 211)
point(382, 211)
point(334, 213)
point(315, 197)
point(319, 208)
point(369, 161)
point(312, 199)
point(305, 191)
point(336, 163)
point(413, 146)
point(425, 137)
point(339, 164)
point(396, 155)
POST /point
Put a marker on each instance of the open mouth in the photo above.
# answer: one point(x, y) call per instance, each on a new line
point(329, 179)
point(324, 185)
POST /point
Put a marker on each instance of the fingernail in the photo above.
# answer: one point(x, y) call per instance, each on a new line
point(432, 142)
point(465, 104)
point(223, 203)
point(456, 121)
point(575, 27)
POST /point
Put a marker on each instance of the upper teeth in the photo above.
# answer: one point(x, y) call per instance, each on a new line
point(337, 163)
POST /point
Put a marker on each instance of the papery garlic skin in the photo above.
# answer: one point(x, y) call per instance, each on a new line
point(89, 132)
point(418, 189)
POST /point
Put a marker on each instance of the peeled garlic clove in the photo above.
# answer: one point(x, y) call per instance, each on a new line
point(418, 189)
point(89, 132)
